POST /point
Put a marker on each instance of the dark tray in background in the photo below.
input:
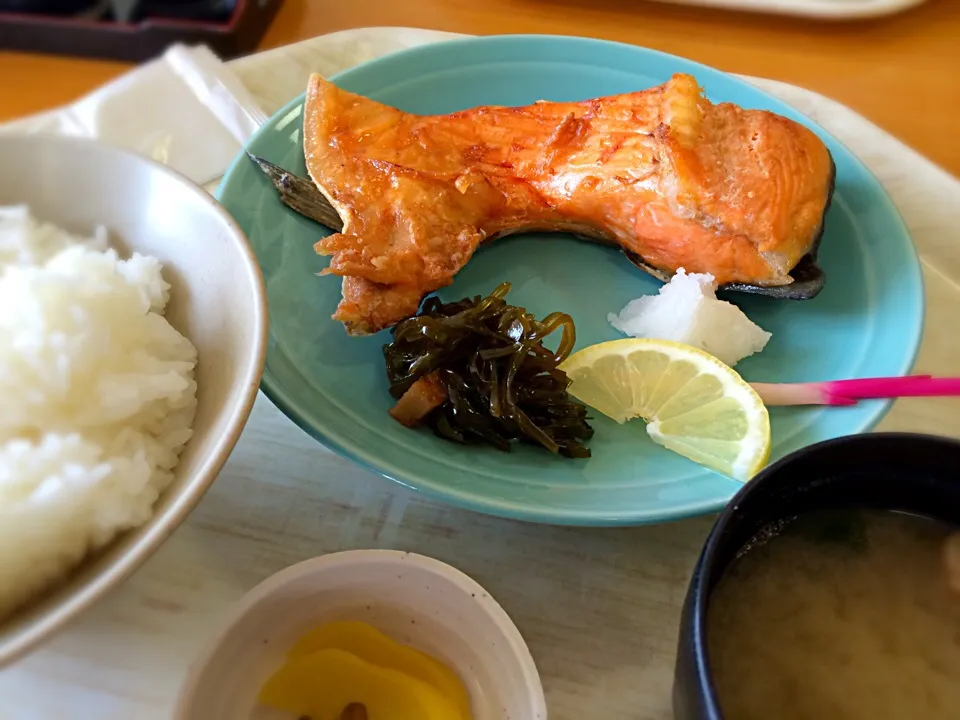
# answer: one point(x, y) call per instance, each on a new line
point(229, 27)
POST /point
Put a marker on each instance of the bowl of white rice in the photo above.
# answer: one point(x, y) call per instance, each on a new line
point(132, 338)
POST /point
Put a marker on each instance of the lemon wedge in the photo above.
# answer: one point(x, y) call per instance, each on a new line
point(691, 402)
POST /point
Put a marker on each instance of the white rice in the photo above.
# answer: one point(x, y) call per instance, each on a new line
point(687, 310)
point(97, 399)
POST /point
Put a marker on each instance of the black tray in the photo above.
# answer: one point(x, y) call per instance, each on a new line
point(230, 28)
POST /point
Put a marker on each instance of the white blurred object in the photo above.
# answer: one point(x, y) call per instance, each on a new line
point(185, 109)
point(819, 9)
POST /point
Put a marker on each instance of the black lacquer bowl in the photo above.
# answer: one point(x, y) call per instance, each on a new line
point(912, 473)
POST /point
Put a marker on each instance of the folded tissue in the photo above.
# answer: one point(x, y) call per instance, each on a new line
point(185, 109)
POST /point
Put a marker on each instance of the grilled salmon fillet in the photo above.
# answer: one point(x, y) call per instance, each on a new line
point(663, 173)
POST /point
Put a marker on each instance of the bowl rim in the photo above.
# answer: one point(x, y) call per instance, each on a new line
point(472, 591)
point(22, 637)
point(705, 568)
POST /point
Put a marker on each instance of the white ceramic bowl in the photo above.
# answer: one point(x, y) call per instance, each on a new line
point(415, 600)
point(217, 300)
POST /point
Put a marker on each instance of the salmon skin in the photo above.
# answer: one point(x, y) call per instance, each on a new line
point(671, 178)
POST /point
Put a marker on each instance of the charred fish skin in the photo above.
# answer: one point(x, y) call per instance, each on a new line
point(808, 280)
point(299, 194)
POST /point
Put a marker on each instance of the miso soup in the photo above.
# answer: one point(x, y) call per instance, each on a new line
point(839, 614)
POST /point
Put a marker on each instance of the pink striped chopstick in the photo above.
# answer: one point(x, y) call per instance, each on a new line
point(848, 392)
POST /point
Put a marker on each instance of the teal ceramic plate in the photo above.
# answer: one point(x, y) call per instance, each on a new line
point(866, 322)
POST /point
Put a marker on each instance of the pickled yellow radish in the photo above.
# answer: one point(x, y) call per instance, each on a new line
point(369, 644)
point(322, 684)
point(337, 669)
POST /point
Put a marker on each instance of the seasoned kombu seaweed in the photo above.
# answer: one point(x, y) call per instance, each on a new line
point(502, 383)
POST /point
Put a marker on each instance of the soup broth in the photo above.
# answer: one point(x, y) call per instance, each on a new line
point(839, 614)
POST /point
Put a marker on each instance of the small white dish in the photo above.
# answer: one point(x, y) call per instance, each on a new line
point(414, 599)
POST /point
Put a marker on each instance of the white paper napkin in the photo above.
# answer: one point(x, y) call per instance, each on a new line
point(185, 109)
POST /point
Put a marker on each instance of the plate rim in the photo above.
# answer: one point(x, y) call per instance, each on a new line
point(366, 458)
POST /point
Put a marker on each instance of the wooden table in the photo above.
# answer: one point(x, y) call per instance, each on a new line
point(901, 72)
